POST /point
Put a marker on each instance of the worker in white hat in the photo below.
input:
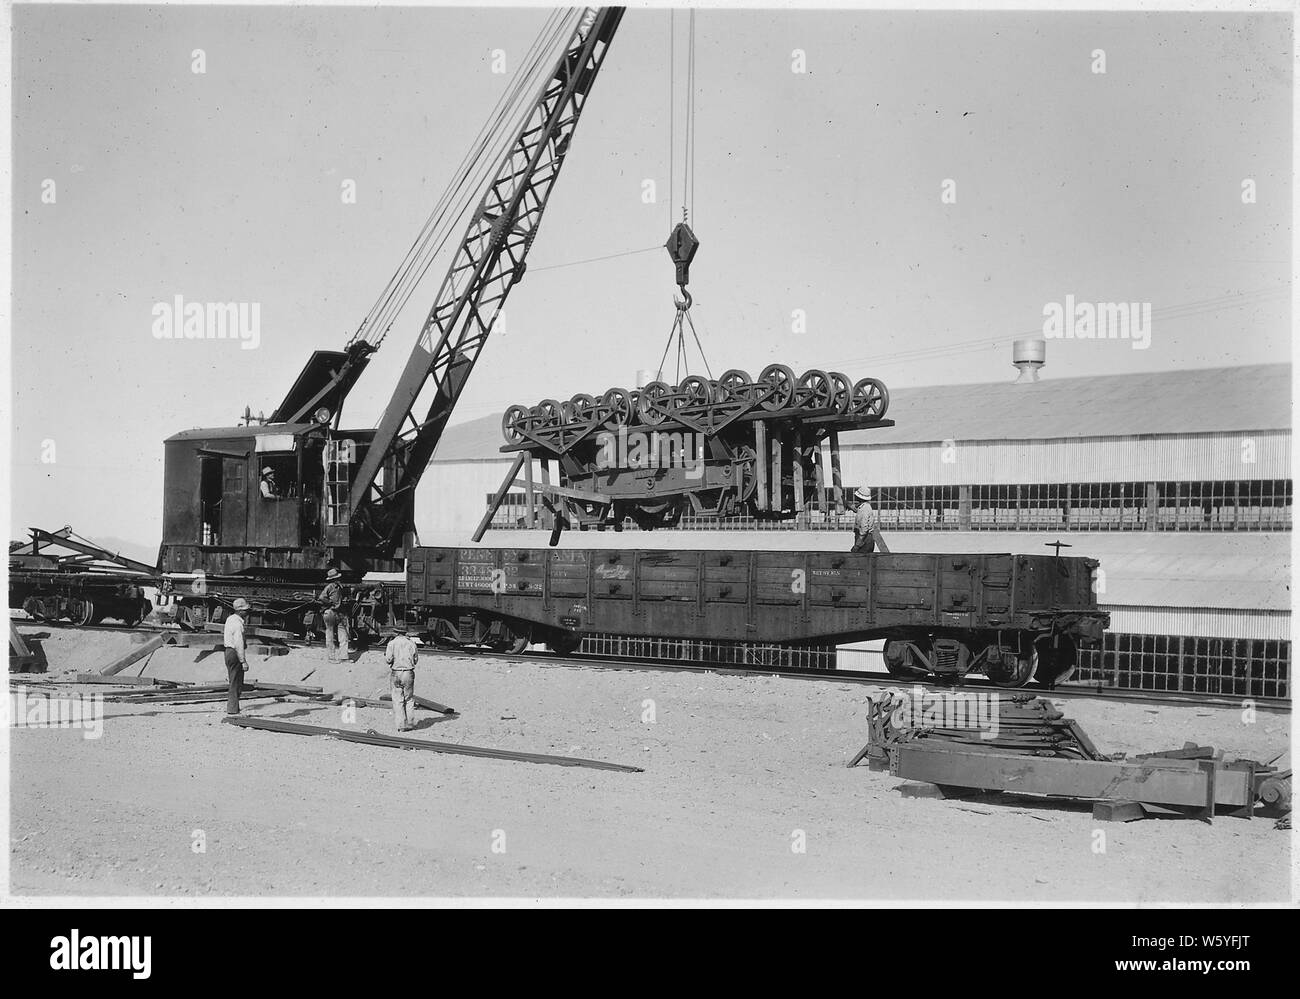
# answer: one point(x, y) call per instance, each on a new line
point(336, 621)
point(236, 654)
point(866, 522)
point(268, 487)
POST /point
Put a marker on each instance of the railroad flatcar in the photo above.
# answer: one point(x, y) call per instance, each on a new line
point(1010, 617)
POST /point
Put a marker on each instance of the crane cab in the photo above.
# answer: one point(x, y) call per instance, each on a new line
point(273, 497)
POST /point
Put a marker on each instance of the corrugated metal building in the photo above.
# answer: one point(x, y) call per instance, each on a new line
point(1178, 482)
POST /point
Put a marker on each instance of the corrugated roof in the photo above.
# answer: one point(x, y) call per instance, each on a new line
point(1206, 400)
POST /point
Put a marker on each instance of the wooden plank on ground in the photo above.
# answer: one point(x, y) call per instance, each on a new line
point(131, 681)
point(134, 656)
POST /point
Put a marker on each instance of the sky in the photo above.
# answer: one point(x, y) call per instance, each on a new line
point(818, 195)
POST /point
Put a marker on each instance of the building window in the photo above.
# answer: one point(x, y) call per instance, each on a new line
point(1251, 505)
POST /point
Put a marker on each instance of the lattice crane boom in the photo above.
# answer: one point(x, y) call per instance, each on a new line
point(489, 262)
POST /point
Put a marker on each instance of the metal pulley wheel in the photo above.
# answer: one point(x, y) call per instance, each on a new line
point(514, 421)
point(654, 395)
point(870, 398)
point(777, 381)
point(734, 384)
point(546, 414)
point(693, 391)
point(813, 391)
point(616, 405)
point(842, 395)
point(582, 409)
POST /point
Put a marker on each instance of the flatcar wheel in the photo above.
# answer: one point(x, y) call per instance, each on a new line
point(1014, 671)
point(81, 611)
point(1057, 659)
point(894, 655)
point(564, 643)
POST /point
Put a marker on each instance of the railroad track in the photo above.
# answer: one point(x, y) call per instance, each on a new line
point(1066, 691)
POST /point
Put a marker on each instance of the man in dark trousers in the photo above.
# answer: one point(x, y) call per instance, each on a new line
point(236, 654)
point(336, 622)
point(866, 524)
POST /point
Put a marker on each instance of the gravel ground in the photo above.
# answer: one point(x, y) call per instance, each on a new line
point(739, 772)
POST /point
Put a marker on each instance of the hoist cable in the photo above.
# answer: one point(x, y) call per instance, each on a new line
point(475, 149)
point(474, 166)
point(471, 183)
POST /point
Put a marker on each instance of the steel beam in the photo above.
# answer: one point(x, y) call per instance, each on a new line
point(373, 738)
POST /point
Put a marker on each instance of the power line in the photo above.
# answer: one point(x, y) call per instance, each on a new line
point(594, 259)
point(1172, 312)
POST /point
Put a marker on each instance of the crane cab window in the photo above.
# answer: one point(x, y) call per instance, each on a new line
point(277, 476)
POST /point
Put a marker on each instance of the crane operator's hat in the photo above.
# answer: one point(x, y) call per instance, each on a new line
point(863, 494)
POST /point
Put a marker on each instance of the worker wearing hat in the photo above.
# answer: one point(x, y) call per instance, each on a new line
point(401, 656)
point(866, 523)
point(236, 654)
point(336, 621)
point(268, 488)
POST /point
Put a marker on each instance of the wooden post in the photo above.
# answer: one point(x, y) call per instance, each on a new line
point(760, 464)
point(819, 478)
point(530, 494)
point(546, 493)
point(506, 483)
point(798, 470)
point(776, 473)
point(837, 482)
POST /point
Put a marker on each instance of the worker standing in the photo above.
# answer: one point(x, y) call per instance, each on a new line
point(336, 622)
point(236, 654)
point(866, 523)
point(401, 655)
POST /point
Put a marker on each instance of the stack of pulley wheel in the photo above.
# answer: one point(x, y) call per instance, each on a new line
point(776, 391)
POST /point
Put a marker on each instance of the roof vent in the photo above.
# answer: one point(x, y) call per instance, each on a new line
point(1029, 355)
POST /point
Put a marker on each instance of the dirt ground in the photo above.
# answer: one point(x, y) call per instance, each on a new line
point(739, 773)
